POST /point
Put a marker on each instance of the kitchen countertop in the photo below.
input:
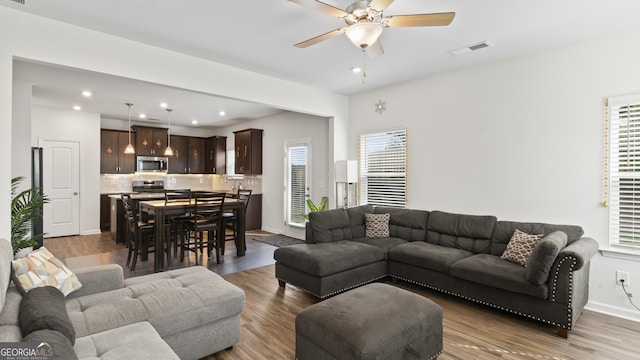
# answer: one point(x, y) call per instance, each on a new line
point(153, 195)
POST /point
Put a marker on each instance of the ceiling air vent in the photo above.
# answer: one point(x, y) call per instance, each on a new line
point(20, 2)
point(466, 49)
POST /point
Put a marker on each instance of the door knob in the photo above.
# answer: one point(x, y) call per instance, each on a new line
point(75, 193)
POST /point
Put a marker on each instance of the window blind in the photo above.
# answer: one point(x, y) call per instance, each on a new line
point(298, 183)
point(624, 171)
point(383, 168)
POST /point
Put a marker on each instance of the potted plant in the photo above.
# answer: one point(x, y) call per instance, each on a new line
point(25, 208)
point(324, 204)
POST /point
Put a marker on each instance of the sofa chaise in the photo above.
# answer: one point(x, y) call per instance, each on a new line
point(453, 253)
point(185, 313)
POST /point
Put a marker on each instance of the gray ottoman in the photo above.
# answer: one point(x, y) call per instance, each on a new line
point(375, 321)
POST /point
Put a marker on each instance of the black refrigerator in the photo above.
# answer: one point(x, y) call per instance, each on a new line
point(36, 183)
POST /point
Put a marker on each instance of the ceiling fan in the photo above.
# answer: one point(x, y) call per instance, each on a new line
point(365, 22)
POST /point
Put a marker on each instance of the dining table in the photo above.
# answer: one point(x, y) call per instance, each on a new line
point(160, 209)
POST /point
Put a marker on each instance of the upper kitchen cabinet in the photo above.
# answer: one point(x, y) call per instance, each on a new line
point(248, 148)
point(178, 162)
point(196, 155)
point(150, 141)
point(188, 155)
point(215, 149)
point(113, 160)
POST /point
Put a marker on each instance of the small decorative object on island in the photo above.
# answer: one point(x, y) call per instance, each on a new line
point(25, 207)
point(324, 204)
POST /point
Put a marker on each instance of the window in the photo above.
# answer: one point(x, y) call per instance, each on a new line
point(297, 182)
point(624, 171)
point(383, 168)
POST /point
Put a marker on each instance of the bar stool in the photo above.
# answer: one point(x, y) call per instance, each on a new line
point(139, 233)
point(207, 216)
point(230, 220)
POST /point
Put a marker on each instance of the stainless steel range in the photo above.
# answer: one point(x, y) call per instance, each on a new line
point(147, 186)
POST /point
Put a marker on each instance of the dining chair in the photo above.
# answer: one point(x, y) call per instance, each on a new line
point(207, 216)
point(175, 224)
point(230, 220)
point(139, 233)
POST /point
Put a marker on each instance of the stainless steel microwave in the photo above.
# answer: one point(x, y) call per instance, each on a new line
point(156, 164)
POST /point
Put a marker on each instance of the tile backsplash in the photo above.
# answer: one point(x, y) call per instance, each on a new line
point(116, 183)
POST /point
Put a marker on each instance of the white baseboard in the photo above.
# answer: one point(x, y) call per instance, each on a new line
point(613, 311)
point(91, 232)
point(272, 230)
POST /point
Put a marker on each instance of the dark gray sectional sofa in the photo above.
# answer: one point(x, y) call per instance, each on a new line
point(453, 253)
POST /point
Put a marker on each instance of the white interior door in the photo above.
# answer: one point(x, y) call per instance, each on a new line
point(61, 184)
point(297, 186)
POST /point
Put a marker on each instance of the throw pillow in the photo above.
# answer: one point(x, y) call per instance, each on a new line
point(41, 268)
point(377, 225)
point(543, 257)
point(43, 308)
point(520, 247)
point(60, 347)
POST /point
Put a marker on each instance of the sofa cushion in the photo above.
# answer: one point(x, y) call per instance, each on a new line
point(428, 256)
point(61, 347)
point(504, 230)
point(468, 232)
point(357, 220)
point(490, 270)
point(330, 225)
point(43, 308)
point(405, 223)
point(377, 226)
point(383, 243)
point(327, 259)
point(543, 256)
point(172, 301)
point(135, 341)
point(520, 247)
point(41, 268)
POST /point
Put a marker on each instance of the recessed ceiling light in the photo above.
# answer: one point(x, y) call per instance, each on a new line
point(194, 122)
point(142, 116)
point(77, 107)
point(163, 104)
point(356, 69)
point(222, 113)
point(86, 93)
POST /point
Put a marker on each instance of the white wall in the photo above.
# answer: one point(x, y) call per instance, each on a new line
point(278, 129)
point(54, 42)
point(84, 127)
point(521, 139)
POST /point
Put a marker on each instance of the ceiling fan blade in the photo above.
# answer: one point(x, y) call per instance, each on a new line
point(321, 7)
point(375, 49)
point(319, 38)
point(380, 5)
point(435, 19)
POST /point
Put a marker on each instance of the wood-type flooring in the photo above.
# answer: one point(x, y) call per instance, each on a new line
point(471, 331)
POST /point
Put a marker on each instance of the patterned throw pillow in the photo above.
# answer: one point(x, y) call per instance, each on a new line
point(377, 225)
point(41, 268)
point(520, 247)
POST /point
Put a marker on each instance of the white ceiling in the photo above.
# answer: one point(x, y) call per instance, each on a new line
point(258, 35)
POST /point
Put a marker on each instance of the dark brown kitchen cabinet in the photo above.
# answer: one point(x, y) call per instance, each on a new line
point(113, 160)
point(150, 141)
point(178, 162)
point(188, 155)
point(248, 151)
point(105, 212)
point(215, 160)
point(196, 155)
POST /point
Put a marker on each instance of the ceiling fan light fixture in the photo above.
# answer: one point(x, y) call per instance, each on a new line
point(364, 34)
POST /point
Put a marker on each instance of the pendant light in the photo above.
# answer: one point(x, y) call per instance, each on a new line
point(168, 151)
point(129, 149)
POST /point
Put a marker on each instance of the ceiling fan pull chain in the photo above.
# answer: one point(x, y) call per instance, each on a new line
point(364, 66)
